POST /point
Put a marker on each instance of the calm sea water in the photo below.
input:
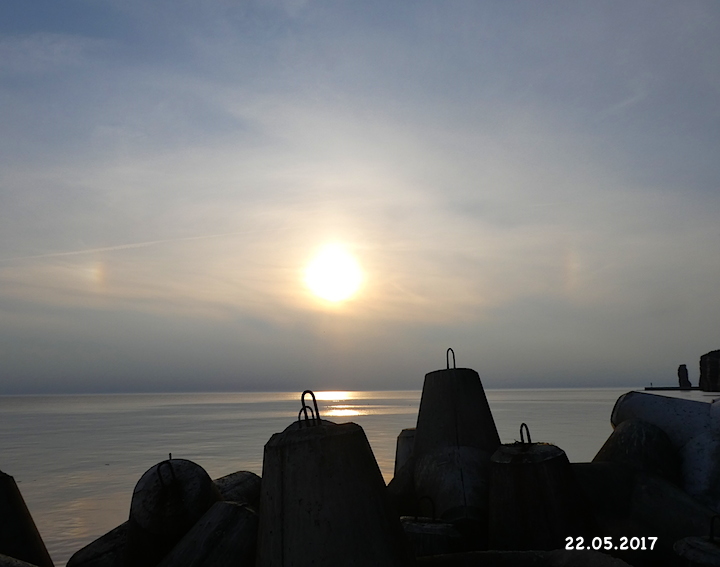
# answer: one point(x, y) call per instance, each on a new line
point(76, 459)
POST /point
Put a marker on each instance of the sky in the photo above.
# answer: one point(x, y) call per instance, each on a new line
point(534, 184)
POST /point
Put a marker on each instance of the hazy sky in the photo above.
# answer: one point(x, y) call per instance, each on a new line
point(535, 184)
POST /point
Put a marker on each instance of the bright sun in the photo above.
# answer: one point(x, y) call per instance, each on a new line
point(334, 274)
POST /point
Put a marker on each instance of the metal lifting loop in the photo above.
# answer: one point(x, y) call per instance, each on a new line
point(447, 358)
point(304, 411)
point(522, 437)
point(159, 474)
point(315, 419)
point(712, 528)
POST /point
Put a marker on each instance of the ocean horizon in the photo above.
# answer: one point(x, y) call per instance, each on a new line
point(77, 457)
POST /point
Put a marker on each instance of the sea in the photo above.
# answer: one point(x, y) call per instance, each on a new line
point(77, 458)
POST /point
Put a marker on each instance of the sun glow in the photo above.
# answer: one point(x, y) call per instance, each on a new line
point(334, 274)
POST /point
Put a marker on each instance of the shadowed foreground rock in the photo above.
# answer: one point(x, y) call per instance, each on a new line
point(224, 537)
point(19, 538)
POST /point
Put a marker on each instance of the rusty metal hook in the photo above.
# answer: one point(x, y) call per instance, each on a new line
point(315, 419)
point(447, 358)
point(522, 437)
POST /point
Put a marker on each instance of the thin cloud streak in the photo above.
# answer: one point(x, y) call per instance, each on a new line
point(121, 247)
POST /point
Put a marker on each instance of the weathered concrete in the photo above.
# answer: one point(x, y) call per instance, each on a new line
point(402, 490)
point(106, 551)
point(452, 484)
point(630, 503)
point(19, 537)
point(167, 501)
point(323, 499)
point(699, 551)
point(430, 537)
point(555, 558)
point(679, 418)
point(404, 448)
point(701, 468)
point(535, 501)
point(225, 536)
point(710, 371)
point(454, 412)
point(242, 487)
point(7, 561)
point(644, 447)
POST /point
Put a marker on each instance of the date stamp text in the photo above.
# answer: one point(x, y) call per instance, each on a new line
point(608, 543)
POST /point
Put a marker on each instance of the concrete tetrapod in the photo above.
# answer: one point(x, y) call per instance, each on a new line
point(324, 502)
point(642, 446)
point(679, 418)
point(107, 550)
point(242, 487)
point(6, 561)
point(535, 501)
point(167, 501)
point(19, 538)
point(404, 448)
point(454, 438)
point(454, 412)
point(225, 536)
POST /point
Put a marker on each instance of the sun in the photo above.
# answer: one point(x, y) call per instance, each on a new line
point(334, 274)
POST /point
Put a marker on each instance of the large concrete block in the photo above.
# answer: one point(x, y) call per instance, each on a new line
point(225, 536)
point(167, 501)
point(19, 538)
point(644, 447)
point(324, 502)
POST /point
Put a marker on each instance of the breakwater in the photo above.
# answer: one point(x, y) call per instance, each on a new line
point(504, 409)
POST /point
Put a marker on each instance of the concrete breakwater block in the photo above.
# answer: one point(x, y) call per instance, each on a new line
point(454, 438)
point(452, 484)
point(404, 448)
point(7, 561)
point(106, 551)
point(324, 502)
point(554, 558)
point(701, 468)
point(454, 412)
point(167, 501)
point(240, 486)
point(535, 501)
point(428, 536)
point(19, 537)
point(679, 418)
point(628, 503)
point(225, 536)
point(644, 447)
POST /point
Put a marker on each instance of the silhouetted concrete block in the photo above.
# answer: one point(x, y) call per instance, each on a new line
point(225, 536)
point(19, 538)
point(167, 501)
